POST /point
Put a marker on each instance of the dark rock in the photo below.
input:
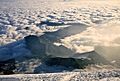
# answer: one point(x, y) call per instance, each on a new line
point(68, 62)
point(26, 28)
point(51, 54)
point(77, 63)
point(7, 67)
point(49, 23)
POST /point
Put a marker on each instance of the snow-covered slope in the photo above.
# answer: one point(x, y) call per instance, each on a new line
point(20, 18)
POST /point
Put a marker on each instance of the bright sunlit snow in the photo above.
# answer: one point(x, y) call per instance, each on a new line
point(20, 18)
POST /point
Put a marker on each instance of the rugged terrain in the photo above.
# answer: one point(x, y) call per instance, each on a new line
point(20, 18)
